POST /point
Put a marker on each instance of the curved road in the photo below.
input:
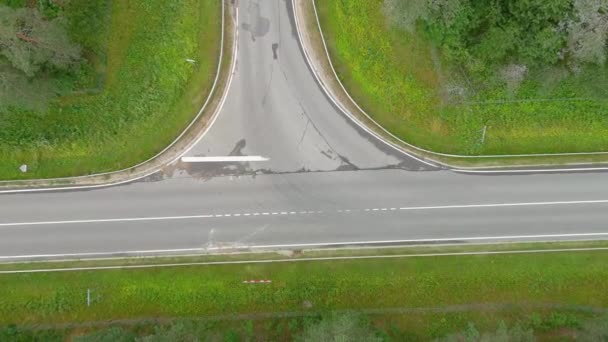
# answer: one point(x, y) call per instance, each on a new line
point(325, 181)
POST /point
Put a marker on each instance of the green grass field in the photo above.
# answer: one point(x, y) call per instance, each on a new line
point(401, 80)
point(510, 287)
point(149, 92)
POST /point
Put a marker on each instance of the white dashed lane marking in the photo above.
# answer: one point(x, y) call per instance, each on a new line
point(375, 211)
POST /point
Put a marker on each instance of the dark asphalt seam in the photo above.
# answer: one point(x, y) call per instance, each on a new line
point(345, 162)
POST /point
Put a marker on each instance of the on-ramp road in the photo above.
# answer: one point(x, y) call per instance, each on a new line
point(325, 180)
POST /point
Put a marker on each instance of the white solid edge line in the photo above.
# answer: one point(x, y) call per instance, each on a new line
point(186, 217)
point(358, 257)
point(579, 169)
point(228, 87)
point(339, 106)
point(300, 245)
point(219, 159)
point(211, 123)
point(420, 148)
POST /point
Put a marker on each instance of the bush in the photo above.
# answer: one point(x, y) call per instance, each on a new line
point(113, 334)
point(13, 333)
point(594, 330)
point(338, 328)
point(502, 334)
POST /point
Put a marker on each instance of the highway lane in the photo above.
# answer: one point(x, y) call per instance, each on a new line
point(307, 207)
point(321, 185)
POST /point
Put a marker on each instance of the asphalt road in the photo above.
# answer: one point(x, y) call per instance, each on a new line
point(326, 181)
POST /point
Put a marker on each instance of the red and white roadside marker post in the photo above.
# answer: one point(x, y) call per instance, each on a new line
point(257, 281)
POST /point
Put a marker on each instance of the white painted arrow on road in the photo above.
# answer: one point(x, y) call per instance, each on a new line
point(223, 159)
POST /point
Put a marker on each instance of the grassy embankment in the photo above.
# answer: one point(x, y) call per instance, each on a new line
point(401, 80)
point(528, 284)
point(147, 91)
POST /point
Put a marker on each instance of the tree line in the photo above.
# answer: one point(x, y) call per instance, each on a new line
point(517, 34)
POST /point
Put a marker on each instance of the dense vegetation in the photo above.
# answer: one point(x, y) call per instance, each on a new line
point(93, 86)
point(484, 35)
point(436, 72)
point(540, 291)
point(49, 49)
point(332, 326)
point(35, 54)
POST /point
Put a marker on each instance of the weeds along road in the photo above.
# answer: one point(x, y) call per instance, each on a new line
point(316, 179)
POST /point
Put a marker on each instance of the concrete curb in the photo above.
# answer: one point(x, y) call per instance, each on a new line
point(339, 105)
point(147, 167)
point(419, 149)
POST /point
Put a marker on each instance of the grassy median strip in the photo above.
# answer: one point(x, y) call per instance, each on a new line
point(477, 287)
point(403, 82)
point(150, 92)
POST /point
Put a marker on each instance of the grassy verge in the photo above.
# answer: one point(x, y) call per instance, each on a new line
point(295, 255)
point(150, 94)
point(391, 74)
point(599, 160)
point(455, 290)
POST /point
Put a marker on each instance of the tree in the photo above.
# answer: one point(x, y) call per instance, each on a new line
point(406, 13)
point(35, 54)
point(16, 90)
point(30, 42)
point(587, 35)
point(495, 32)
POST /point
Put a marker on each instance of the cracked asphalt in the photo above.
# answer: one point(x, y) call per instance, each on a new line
point(326, 180)
point(276, 110)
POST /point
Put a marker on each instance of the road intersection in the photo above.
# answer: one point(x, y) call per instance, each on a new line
point(317, 179)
